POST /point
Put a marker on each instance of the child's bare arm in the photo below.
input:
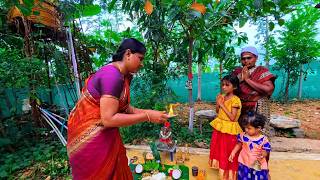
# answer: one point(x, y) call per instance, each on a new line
point(217, 108)
point(263, 154)
point(233, 114)
point(234, 151)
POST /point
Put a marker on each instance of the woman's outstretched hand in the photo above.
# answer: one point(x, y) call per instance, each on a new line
point(157, 116)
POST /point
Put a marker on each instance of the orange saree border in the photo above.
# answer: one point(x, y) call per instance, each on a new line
point(84, 122)
point(84, 125)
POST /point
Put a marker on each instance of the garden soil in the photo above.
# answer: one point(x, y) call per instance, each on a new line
point(284, 166)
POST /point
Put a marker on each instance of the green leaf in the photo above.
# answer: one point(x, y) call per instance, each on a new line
point(271, 26)
point(111, 5)
point(242, 22)
point(36, 13)
point(85, 11)
point(281, 22)
point(271, 4)
point(25, 11)
point(91, 10)
point(3, 174)
point(28, 3)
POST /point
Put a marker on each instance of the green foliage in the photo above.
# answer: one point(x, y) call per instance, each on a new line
point(135, 132)
point(281, 22)
point(105, 41)
point(40, 160)
point(15, 69)
point(172, 28)
point(152, 78)
point(74, 11)
point(180, 132)
point(15, 132)
point(148, 95)
point(297, 44)
point(151, 165)
point(29, 152)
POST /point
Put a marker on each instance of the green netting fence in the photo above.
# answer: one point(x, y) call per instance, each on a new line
point(11, 100)
point(210, 86)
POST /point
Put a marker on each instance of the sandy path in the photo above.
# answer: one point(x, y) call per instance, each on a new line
point(283, 165)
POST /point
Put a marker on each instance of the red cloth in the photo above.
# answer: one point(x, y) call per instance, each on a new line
point(260, 74)
point(165, 140)
point(220, 149)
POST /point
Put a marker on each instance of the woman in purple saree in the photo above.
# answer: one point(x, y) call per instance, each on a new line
point(95, 147)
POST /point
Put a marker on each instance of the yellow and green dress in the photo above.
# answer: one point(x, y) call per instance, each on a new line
point(224, 137)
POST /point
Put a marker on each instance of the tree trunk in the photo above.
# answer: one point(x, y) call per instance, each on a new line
point(48, 74)
point(191, 108)
point(286, 95)
point(300, 82)
point(267, 59)
point(199, 81)
point(220, 75)
point(28, 49)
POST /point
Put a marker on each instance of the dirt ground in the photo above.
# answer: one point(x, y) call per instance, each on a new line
point(308, 111)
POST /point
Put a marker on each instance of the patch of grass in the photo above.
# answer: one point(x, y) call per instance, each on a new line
point(180, 132)
point(287, 113)
point(37, 162)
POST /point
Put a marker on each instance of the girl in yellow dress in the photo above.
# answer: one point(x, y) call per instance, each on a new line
point(226, 128)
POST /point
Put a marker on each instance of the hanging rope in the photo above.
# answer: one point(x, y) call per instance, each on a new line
point(50, 117)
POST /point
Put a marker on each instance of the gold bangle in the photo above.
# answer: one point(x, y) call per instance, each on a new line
point(148, 117)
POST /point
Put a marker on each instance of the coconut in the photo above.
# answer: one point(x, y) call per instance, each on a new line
point(176, 173)
point(139, 168)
